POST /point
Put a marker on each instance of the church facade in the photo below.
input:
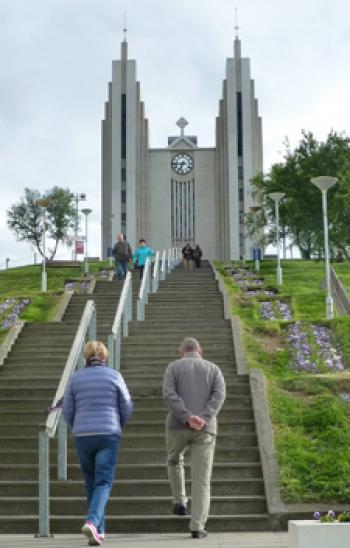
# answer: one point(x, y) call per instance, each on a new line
point(182, 192)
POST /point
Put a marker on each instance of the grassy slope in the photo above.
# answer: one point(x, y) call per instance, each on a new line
point(311, 422)
point(26, 282)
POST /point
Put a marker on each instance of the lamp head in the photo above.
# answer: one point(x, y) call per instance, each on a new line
point(86, 211)
point(44, 202)
point(323, 182)
point(277, 196)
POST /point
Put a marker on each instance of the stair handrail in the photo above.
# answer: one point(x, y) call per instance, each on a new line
point(169, 260)
point(340, 294)
point(163, 270)
point(122, 318)
point(144, 290)
point(156, 273)
point(55, 422)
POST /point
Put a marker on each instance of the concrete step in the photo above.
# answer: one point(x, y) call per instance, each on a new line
point(131, 455)
point(221, 470)
point(146, 442)
point(27, 524)
point(133, 488)
point(150, 402)
point(132, 505)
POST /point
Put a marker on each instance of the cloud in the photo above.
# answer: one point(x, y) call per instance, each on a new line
point(56, 63)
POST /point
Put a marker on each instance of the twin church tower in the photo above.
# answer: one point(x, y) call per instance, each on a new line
point(183, 192)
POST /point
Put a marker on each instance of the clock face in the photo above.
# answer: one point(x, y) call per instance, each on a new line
point(182, 163)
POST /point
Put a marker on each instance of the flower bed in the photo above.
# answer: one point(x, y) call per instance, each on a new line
point(312, 348)
point(10, 311)
point(79, 286)
point(275, 310)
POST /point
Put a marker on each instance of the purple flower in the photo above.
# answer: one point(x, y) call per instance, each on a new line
point(317, 515)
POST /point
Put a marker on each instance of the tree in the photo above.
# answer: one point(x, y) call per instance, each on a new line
point(301, 209)
point(25, 218)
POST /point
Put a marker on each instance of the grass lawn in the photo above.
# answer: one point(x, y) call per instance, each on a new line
point(26, 282)
point(309, 413)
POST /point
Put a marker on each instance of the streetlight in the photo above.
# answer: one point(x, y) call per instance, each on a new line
point(44, 203)
point(77, 198)
point(277, 197)
point(254, 210)
point(324, 183)
point(86, 212)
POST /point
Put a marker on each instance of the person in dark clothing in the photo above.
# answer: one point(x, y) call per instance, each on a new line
point(122, 254)
point(197, 256)
point(187, 256)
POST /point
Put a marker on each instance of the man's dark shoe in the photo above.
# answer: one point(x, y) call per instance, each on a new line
point(199, 534)
point(180, 509)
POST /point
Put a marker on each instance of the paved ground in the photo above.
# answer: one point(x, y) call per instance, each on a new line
point(214, 540)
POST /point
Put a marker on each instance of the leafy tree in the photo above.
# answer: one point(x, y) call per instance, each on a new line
point(25, 218)
point(301, 209)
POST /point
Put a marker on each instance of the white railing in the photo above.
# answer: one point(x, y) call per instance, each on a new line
point(55, 422)
point(164, 270)
point(120, 325)
point(156, 273)
point(144, 290)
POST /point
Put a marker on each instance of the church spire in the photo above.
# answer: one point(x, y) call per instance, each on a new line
point(237, 43)
point(124, 42)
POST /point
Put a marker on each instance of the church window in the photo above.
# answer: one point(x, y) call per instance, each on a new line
point(123, 126)
point(239, 124)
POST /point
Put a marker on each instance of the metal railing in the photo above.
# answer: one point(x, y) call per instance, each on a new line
point(120, 325)
point(144, 290)
point(340, 295)
point(55, 422)
point(156, 273)
point(163, 268)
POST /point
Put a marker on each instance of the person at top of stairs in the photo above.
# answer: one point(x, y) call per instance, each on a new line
point(142, 252)
point(96, 407)
point(194, 392)
point(122, 254)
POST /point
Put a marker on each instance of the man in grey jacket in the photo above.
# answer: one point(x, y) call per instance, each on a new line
point(194, 391)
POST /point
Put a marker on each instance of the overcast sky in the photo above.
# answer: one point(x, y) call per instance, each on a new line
point(56, 62)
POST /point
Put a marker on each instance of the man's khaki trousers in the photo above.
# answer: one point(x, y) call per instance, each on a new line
point(202, 446)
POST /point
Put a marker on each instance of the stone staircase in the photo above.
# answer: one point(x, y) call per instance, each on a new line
point(28, 382)
point(187, 304)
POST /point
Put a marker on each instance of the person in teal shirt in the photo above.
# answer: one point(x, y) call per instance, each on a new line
point(141, 253)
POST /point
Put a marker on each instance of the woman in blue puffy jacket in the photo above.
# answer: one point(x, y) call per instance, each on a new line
point(96, 407)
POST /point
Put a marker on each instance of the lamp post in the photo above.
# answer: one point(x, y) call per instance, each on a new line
point(254, 210)
point(77, 197)
point(86, 212)
point(44, 203)
point(324, 183)
point(277, 197)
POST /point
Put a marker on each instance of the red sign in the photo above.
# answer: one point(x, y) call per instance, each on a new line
point(79, 247)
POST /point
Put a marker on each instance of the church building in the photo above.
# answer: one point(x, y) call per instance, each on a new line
point(184, 192)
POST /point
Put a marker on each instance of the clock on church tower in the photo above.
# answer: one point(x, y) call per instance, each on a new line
point(182, 163)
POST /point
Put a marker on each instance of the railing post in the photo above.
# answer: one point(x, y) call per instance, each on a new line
point(163, 267)
point(140, 310)
point(117, 351)
point(62, 450)
point(44, 483)
point(92, 326)
point(111, 356)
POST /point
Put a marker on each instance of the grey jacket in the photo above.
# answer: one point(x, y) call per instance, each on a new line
point(193, 386)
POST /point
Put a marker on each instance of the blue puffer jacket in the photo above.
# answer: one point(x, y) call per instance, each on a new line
point(141, 254)
point(96, 401)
